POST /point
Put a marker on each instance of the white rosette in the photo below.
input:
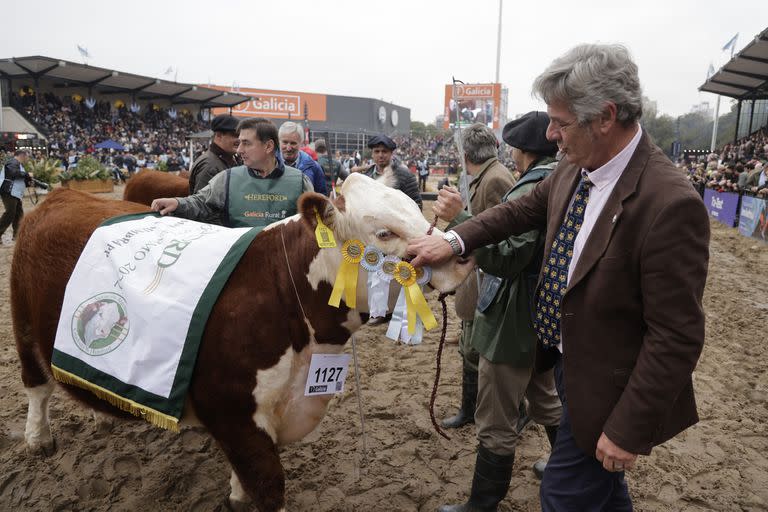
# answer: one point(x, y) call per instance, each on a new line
point(373, 259)
point(398, 326)
point(378, 282)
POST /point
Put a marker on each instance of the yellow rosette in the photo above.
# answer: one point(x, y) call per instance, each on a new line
point(405, 274)
point(346, 277)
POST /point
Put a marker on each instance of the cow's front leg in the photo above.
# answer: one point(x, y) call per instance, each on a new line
point(257, 475)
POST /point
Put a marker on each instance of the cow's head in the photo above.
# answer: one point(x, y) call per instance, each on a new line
point(381, 216)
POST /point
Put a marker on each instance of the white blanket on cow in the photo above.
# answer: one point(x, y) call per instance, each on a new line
point(135, 308)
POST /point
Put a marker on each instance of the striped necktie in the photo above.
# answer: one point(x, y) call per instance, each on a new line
point(555, 271)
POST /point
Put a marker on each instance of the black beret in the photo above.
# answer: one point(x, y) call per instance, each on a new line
point(224, 123)
point(382, 140)
point(529, 133)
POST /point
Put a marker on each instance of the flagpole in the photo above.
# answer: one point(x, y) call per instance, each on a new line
point(717, 107)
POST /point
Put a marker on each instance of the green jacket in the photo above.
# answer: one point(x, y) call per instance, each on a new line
point(503, 332)
point(209, 204)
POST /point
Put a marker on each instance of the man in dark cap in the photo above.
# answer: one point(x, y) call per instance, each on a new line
point(389, 169)
point(221, 153)
point(502, 331)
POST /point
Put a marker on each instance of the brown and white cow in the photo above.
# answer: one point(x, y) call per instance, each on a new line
point(248, 383)
point(148, 184)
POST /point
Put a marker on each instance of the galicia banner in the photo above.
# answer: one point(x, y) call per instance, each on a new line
point(753, 219)
point(723, 206)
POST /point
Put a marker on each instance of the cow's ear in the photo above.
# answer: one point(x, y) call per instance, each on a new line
point(311, 204)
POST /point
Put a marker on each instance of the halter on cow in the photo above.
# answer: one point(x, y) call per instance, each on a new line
point(248, 384)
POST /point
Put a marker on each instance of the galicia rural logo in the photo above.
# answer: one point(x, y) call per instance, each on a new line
point(100, 324)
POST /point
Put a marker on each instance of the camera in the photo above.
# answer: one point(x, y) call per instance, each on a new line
point(32, 182)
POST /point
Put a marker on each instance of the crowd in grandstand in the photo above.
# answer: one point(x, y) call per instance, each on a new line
point(74, 126)
point(741, 167)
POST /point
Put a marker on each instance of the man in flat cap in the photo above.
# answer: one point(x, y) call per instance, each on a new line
point(394, 174)
point(389, 169)
point(502, 331)
point(221, 153)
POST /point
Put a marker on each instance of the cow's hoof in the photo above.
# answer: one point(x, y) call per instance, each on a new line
point(41, 448)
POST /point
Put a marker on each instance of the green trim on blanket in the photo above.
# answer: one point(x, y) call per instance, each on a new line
point(200, 318)
point(137, 409)
point(154, 408)
point(127, 217)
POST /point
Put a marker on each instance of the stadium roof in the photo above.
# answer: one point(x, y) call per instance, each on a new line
point(745, 76)
point(108, 80)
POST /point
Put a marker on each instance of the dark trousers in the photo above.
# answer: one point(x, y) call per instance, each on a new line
point(12, 215)
point(575, 481)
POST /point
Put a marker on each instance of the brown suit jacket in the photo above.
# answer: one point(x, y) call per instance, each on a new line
point(632, 317)
point(485, 191)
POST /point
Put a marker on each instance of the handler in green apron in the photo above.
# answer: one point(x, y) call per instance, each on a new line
point(256, 194)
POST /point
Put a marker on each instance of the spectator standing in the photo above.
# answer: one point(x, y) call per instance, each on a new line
point(423, 168)
point(12, 192)
point(389, 169)
point(221, 153)
point(490, 181)
point(502, 330)
point(291, 138)
point(331, 167)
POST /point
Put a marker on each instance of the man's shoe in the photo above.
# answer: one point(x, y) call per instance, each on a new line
point(538, 468)
point(377, 320)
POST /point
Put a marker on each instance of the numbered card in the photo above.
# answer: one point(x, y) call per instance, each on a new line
point(327, 373)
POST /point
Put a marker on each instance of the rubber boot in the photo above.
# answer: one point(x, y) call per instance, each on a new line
point(540, 465)
point(466, 413)
point(490, 483)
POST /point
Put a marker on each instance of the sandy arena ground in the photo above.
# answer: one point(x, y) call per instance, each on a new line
point(720, 464)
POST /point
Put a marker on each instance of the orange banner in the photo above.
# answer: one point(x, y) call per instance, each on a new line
point(474, 103)
point(277, 104)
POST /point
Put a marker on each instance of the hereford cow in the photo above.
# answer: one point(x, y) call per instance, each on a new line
point(147, 185)
point(248, 384)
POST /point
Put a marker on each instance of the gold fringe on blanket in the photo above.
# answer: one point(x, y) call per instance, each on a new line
point(155, 417)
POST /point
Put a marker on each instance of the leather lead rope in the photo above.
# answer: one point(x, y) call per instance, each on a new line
point(440, 346)
point(441, 298)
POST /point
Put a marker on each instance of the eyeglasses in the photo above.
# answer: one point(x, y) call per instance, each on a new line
point(560, 125)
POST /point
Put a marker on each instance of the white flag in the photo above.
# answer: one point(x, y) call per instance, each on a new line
point(710, 71)
point(732, 43)
point(83, 52)
point(168, 71)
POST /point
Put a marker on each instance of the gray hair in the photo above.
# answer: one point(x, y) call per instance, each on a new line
point(479, 143)
point(291, 127)
point(590, 75)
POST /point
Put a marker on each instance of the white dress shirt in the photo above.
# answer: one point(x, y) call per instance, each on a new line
point(603, 180)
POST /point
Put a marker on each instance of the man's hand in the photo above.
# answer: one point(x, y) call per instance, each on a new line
point(448, 204)
point(429, 250)
point(613, 458)
point(165, 205)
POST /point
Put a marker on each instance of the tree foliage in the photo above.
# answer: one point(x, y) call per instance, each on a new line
point(695, 128)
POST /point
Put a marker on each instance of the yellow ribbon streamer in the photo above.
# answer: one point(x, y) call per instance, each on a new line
point(405, 274)
point(346, 277)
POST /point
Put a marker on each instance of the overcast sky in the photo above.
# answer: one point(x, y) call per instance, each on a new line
point(396, 50)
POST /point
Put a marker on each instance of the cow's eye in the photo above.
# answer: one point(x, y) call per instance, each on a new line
point(385, 234)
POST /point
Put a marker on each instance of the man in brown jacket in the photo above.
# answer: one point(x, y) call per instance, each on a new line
point(221, 154)
point(490, 181)
point(619, 299)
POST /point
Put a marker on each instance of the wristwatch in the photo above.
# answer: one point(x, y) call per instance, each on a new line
point(453, 241)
